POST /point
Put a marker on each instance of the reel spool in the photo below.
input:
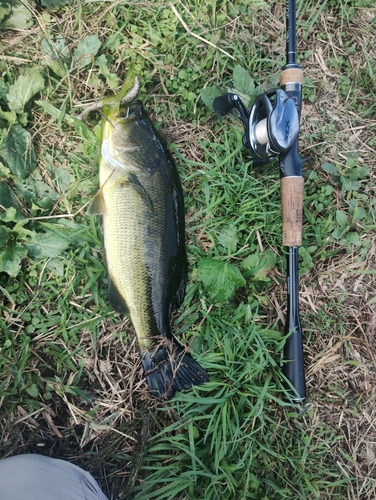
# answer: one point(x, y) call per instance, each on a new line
point(271, 126)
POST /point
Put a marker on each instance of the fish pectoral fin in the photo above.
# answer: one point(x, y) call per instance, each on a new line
point(116, 299)
point(97, 204)
point(136, 184)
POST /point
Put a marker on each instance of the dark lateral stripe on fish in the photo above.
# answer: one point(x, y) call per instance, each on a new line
point(166, 374)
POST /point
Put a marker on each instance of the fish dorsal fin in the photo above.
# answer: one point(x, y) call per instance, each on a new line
point(97, 204)
point(116, 299)
point(136, 184)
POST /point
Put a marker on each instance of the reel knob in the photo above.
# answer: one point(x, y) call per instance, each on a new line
point(273, 124)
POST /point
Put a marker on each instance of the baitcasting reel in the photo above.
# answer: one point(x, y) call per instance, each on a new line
point(271, 126)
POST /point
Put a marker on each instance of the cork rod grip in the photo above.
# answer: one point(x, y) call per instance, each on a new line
point(291, 75)
point(292, 210)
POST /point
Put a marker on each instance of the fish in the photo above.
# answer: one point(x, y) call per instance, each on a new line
point(141, 202)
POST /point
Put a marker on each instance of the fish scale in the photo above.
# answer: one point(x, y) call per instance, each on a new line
point(132, 277)
point(141, 202)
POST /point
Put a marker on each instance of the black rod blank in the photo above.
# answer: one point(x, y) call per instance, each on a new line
point(291, 32)
point(293, 368)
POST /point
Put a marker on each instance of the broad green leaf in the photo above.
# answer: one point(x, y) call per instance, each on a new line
point(228, 238)
point(61, 178)
point(4, 235)
point(341, 218)
point(243, 81)
point(33, 390)
point(36, 192)
point(61, 47)
point(56, 67)
point(4, 87)
point(338, 233)
point(349, 184)
point(251, 261)
point(50, 4)
point(56, 266)
point(18, 152)
point(363, 171)
point(4, 171)
point(24, 88)
point(65, 229)
point(19, 18)
point(329, 167)
point(9, 116)
point(10, 215)
point(7, 198)
point(5, 9)
point(86, 50)
point(58, 56)
point(220, 279)
point(11, 257)
point(353, 238)
point(21, 232)
point(359, 213)
point(208, 94)
point(7, 344)
point(259, 264)
point(103, 65)
point(47, 245)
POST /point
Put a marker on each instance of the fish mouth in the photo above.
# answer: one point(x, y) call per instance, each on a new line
point(113, 102)
point(130, 111)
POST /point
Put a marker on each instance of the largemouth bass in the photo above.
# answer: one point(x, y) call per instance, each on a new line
point(142, 207)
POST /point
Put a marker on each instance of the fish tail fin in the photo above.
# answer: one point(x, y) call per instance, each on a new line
point(168, 372)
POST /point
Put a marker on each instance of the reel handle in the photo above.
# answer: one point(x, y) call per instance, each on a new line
point(223, 104)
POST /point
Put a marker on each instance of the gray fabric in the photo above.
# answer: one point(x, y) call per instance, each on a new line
point(34, 477)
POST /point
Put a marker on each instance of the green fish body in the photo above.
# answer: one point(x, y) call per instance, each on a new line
point(141, 202)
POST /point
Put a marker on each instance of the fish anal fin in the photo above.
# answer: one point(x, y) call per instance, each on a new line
point(168, 372)
point(116, 299)
point(97, 204)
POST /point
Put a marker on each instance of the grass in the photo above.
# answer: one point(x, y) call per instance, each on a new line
point(71, 384)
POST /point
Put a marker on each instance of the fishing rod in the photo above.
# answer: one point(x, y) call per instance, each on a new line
point(272, 128)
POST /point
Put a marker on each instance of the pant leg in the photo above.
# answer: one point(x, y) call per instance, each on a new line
point(35, 477)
